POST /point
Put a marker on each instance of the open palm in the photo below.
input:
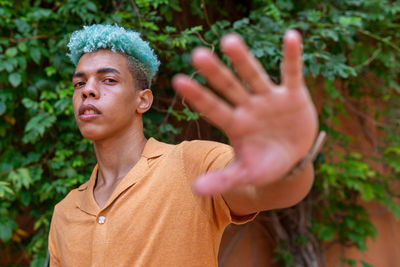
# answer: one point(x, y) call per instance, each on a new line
point(271, 127)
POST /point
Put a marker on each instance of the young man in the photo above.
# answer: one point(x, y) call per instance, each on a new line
point(138, 207)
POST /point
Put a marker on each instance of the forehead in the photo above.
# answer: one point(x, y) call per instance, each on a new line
point(91, 62)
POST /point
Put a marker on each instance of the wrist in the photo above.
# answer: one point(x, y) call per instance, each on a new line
point(308, 158)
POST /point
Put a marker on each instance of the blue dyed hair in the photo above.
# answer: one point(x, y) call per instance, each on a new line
point(117, 39)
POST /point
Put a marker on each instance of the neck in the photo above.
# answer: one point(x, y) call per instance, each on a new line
point(117, 155)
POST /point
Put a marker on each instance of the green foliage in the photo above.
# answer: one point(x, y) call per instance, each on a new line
point(283, 256)
point(351, 45)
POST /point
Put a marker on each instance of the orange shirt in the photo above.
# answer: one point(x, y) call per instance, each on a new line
point(152, 218)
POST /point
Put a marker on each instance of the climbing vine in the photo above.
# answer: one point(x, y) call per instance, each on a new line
point(351, 55)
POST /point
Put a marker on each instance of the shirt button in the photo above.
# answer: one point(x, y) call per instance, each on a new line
point(101, 220)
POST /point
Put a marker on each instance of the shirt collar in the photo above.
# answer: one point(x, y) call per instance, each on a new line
point(86, 201)
point(154, 148)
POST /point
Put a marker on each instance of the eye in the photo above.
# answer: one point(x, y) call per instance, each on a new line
point(110, 81)
point(79, 84)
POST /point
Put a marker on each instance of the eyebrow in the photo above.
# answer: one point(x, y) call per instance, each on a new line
point(102, 70)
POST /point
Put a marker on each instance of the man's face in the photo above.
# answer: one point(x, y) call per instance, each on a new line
point(105, 100)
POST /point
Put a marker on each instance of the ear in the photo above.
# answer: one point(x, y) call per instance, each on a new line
point(145, 100)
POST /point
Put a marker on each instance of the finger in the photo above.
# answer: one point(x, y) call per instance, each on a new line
point(219, 182)
point(219, 76)
point(204, 101)
point(247, 66)
point(292, 73)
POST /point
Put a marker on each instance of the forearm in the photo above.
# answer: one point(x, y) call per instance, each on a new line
point(283, 193)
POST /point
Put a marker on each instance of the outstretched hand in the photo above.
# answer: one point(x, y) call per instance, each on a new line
point(271, 127)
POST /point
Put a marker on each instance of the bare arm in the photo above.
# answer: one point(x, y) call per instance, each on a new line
point(280, 194)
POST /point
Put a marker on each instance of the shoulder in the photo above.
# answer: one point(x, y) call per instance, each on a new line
point(202, 148)
point(69, 202)
point(196, 157)
point(195, 149)
point(205, 155)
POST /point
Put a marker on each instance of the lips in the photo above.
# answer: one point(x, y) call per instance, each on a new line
point(88, 112)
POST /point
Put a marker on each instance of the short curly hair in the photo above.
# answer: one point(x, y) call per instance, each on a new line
point(142, 60)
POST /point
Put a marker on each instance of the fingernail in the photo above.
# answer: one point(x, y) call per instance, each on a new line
point(200, 51)
point(199, 54)
point(230, 39)
point(178, 79)
point(291, 33)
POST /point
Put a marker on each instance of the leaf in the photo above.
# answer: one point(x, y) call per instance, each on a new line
point(6, 228)
point(22, 26)
point(331, 34)
point(5, 233)
point(393, 207)
point(169, 128)
point(8, 66)
point(25, 177)
point(36, 173)
point(150, 25)
point(22, 63)
point(350, 262)
point(39, 13)
point(364, 264)
point(241, 23)
point(258, 52)
point(350, 21)
point(2, 107)
point(50, 71)
point(367, 192)
point(15, 79)
point(25, 198)
point(170, 29)
point(326, 232)
point(38, 260)
point(190, 115)
point(91, 6)
point(37, 125)
point(5, 189)
point(331, 89)
point(314, 16)
point(30, 104)
point(22, 47)
point(20, 178)
point(11, 52)
point(35, 54)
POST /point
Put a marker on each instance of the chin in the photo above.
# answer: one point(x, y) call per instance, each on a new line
point(92, 134)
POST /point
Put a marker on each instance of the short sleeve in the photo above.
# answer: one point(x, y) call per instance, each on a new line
point(232, 217)
point(54, 257)
point(204, 156)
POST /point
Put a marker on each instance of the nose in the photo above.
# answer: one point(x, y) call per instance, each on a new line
point(90, 90)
